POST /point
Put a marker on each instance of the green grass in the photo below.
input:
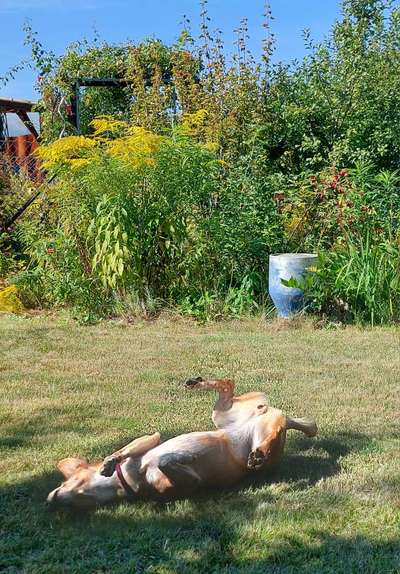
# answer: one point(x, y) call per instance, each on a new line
point(333, 506)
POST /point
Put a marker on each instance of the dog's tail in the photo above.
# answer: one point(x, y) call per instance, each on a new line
point(305, 425)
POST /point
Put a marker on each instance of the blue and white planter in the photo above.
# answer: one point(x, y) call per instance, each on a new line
point(288, 300)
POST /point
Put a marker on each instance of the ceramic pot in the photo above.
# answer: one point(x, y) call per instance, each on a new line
point(288, 300)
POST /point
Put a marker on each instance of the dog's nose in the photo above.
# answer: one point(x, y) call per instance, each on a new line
point(194, 381)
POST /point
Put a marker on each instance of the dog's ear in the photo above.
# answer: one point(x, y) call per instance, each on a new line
point(68, 466)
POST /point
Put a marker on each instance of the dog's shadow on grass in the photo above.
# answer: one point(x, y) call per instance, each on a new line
point(308, 461)
point(305, 462)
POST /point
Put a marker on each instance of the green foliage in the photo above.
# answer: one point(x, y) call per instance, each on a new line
point(246, 225)
point(107, 228)
point(111, 228)
point(115, 230)
point(153, 73)
point(206, 165)
point(325, 210)
point(359, 282)
point(14, 190)
point(233, 302)
point(342, 102)
point(351, 217)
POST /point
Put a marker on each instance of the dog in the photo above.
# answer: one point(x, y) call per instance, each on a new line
point(249, 437)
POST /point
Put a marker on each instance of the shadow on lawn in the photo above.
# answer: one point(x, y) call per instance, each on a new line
point(200, 535)
point(308, 461)
point(21, 434)
point(290, 555)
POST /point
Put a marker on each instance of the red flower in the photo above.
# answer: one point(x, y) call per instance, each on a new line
point(50, 250)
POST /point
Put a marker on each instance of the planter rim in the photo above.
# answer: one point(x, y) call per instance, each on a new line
point(294, 255)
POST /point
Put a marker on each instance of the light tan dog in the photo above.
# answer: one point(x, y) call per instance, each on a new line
point(250, 436)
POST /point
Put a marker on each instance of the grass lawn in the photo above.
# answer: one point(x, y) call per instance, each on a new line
point(334, 505)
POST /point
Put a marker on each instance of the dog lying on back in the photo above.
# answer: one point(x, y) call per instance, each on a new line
point(250, 436)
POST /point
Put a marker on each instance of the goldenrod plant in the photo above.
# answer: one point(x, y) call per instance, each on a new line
point(10, 301)
point(132, 144)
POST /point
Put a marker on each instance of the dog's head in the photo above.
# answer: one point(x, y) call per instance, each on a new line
point(84, 487)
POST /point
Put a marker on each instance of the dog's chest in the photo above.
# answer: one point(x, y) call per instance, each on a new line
point(240, 413)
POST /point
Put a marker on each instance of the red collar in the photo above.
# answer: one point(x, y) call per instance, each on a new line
point(128, 489)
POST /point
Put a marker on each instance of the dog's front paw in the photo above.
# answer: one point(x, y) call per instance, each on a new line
point(256, 459)
point(108, 466)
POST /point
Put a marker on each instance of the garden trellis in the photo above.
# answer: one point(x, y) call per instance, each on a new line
point(101, 83)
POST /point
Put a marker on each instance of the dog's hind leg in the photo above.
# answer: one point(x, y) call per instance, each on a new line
point(305, 425)
point(178, 470)
point(268, 440)
point(224, 387)
point(137, 447)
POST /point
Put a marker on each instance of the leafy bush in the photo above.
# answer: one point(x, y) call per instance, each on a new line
point(334, 206)
point(357, 282)
point(245, 227)
point(154, 224)
point(204, 165)
point(342, 102)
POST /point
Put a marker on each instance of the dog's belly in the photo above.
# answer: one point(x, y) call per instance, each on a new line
point(208, 455)
point(195, 446)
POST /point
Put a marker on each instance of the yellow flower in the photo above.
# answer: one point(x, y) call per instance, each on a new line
point(137, 148)
point(78, 163)
point(108, 125)
point(193, 124)
point(212, 146)
point(9, 300)
point(64, 150)
point(293, 224)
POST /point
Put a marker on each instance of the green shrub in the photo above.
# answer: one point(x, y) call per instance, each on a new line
point(327, 208)
point(359, 282)
point(176, 227)
point(245, 227)
point(108, 228)
point(341, 103)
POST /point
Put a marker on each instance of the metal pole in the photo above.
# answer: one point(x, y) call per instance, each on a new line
point(77, 106)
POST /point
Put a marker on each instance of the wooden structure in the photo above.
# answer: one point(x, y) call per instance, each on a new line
point(21, 108)
point(17, 150)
